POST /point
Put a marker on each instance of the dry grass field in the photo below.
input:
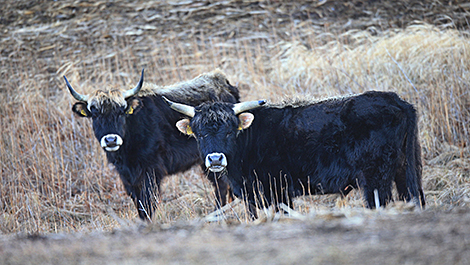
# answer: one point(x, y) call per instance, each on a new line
point(62, 202)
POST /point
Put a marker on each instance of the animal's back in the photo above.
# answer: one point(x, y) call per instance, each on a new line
point(211, 86)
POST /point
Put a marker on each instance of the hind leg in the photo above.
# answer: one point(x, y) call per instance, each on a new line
point(374, 194)
point(400, 182)
point(377, 187)
point(410, 190)
point(413, 194)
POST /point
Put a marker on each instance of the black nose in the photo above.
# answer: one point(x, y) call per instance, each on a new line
point(215, 159)
point(111, 140)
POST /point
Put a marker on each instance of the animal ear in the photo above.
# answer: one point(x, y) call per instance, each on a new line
point(80, 108)
point(246, 119)
point(133, 105)
point(183, 126)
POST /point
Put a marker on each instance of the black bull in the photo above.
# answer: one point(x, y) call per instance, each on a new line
point(275, 153)
point(136, 128)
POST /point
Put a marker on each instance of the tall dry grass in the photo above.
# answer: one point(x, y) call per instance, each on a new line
point(424, 64)
point(54, 175)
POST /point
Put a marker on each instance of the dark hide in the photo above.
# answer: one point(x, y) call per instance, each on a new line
point(152, 147)
point(332, 146)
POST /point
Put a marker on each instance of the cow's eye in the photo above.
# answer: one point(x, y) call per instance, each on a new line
point(94, 110)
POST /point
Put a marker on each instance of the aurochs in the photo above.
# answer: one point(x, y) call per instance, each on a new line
point(277, 152)
point(136, 129)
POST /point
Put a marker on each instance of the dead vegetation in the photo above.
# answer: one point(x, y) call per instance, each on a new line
point(54, 176)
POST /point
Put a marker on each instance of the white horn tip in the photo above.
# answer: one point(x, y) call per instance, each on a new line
point(167, 101)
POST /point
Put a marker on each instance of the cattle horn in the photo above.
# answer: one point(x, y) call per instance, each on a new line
point(181, 108)
point(74, 93)
point(131, 92)
point(244, 106)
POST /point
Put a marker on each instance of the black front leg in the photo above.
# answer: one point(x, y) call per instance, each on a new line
point(221, 188)
point(144, 193)
point(148, 199)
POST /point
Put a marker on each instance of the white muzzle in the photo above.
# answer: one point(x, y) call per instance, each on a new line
point(111, 142)
point(216, 162)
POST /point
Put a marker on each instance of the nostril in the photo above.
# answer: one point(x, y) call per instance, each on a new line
point(110, 139)
point(215, 158)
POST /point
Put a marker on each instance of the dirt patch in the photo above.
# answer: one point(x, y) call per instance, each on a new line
point(358, 237)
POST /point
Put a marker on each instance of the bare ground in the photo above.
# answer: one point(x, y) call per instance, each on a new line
point(369, 237)
point(437, 235)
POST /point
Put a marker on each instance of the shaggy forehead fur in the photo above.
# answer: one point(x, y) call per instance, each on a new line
point(219, 112)
point(102, 97)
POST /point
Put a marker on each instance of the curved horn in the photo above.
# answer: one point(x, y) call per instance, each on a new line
point(131, 92)
point(181, 108)
point(74, 93)
point(244, 106)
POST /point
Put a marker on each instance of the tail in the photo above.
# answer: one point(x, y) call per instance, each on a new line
point(413, 162)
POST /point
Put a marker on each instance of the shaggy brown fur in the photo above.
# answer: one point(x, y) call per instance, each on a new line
point(192, 91)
